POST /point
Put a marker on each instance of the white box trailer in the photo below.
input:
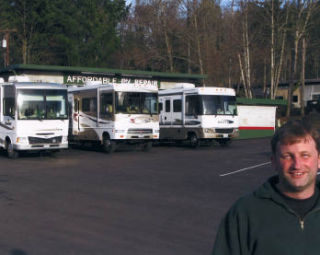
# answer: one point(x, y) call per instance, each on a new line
point(198, 113)
point(111, 114)
point(33, 116)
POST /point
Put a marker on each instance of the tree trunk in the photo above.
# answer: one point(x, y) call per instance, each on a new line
point(243, 76)
point(272, 50)
point(197, 36)
point(245, 66)
point(24, 51)
point(276, 67)
point(163, 21)
point(303, 68)
point(247, 56)
point(294, 74)
point(300, 31)
point(265, 92)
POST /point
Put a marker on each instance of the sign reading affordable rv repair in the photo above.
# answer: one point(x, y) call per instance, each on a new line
point(81, 79)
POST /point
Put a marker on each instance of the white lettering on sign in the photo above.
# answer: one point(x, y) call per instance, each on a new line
point(105, 80)
point(144, 82)
point(130, 86)
point(81, 79)
point(125, 80)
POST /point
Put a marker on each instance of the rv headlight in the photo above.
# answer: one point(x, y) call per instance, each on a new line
point(157, 131)
point(209, 130)
point(21, 140)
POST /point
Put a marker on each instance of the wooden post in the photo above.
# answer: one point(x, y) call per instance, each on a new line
point(7, 38)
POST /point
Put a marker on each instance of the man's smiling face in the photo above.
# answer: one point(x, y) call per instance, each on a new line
point(297, 165)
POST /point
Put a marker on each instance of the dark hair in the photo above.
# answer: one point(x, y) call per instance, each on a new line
point(296, 130)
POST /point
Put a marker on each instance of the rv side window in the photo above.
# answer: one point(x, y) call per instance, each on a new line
point(167, 106)
point(9, 102)
point(106, 106)
point(192, 105)
point(160, 107)
point(89, 106)
point(177, 105)
point(8, 107)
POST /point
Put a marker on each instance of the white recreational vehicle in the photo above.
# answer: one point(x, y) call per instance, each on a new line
point(33, 116)
point(198, 113)
point(110, 114)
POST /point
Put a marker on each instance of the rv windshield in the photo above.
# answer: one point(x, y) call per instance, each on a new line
point(136, 103)
point(216, 105)
point(211, 105)
point(42, 104)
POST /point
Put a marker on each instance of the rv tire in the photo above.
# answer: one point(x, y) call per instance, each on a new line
point(193, 141)
point(11, 153)
point(108, 145)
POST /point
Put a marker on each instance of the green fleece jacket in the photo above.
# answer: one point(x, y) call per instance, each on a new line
point(262, 224)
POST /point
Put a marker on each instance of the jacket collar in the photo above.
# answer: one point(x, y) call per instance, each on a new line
point(268, 191)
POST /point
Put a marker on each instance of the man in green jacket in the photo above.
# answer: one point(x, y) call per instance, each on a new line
point(282, 217)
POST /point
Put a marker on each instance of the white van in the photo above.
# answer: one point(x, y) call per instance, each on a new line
point(111, 114)
point(33, 116)
point(197, 114)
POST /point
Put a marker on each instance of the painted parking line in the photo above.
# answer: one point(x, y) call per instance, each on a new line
point(245, 169)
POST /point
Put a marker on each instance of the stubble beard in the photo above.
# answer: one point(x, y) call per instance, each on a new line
point(290, 186)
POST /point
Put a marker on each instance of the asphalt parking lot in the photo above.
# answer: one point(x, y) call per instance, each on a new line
point(166, 201)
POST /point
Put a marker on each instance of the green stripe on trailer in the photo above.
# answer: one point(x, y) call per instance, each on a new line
point(255, 133)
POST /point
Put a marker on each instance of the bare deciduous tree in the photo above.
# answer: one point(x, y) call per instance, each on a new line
point(276, 65)
point(304, 10)
point(245, 67)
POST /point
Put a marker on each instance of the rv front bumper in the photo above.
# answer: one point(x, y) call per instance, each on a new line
point(147, 134)
point(39, 143)
point(217, 133)
point(20, 147)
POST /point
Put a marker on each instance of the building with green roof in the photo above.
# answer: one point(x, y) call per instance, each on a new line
point(71, 75)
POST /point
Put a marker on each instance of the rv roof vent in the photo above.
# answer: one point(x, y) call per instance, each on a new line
point(18, 78)
point(185, 85)
point(1, 80)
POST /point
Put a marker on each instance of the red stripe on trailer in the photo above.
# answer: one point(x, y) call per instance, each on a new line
point(256, 128)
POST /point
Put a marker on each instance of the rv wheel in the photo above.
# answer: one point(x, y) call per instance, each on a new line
point(11, 152)
point(193, 140)
point(108, 145)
